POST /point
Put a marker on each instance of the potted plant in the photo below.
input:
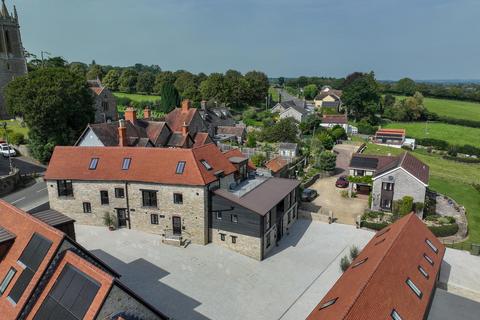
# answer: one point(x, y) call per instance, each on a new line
point(109, 221)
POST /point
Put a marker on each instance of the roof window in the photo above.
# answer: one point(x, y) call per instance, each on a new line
point(414, 288)
point(431, 245)
point(126, 163)
point(423, 272)
point(93, 164)
point(206, 164)
point(359, 262)
point(328, 303)
point(180, 167)
point(428, 259)
point(395, 315)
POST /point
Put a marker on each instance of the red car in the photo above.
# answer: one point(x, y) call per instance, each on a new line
point(341, 182)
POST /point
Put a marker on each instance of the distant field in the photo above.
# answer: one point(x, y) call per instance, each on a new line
point(453, 108)
point(454, 134)
point(136, 97)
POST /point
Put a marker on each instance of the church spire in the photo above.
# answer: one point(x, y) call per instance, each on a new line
point(15, 15)
point(4, 10)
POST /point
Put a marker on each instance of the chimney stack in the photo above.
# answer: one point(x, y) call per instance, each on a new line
point(122, 134)
point(147, 113)
point(131, 114)
point(185, 105)
point(203, 104)
point(184, 129)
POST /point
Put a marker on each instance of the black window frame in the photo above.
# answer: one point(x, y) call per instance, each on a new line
point(429, 260)
point(218, 215)
point(7, 280)
point(387, 186)
point(104, 199)
point(154, 219)
point(87, 207)
point(178, 198)
point(222, 236)
point(119, 193)
point(207, 165)
point(423, 272)
point(395, 315)
point(234, 218)
point(431, 245)
point(151, 200)
point(65, 188)
point(234, 239)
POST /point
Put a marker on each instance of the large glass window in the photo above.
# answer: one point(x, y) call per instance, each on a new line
point(65, 188)
point(104, 197)
point(149, 198)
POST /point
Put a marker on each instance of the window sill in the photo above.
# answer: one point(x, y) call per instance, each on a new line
point(66, 197)
point(149, 207)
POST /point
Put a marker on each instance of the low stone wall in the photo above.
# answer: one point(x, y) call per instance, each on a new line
point(9, 183)
point(313, 216)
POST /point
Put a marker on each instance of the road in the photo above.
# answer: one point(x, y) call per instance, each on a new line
point(287, 96)
point(22, 163)
point(29, 198)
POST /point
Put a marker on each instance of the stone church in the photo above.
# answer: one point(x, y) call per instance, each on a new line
point(12, 57)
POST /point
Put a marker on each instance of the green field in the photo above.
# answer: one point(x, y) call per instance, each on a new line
point(136, 97)
point(452, 108)
point(453, 134)
point(451, 178)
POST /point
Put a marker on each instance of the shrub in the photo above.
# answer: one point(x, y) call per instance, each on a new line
point(418, 206)
point(258, 159)
point(459, 159)
point(354, 252)
point(344, 193)
point(436, 143)
point(374, 225)
point(327, 161)
point(16, 138)
point(366, 128)
point(476, 186)
point(344, 263)
point(251, 140)
point(445, 230)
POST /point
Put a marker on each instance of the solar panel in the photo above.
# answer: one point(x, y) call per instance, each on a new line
point(363, 162)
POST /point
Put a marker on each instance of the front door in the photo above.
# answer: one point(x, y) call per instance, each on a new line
point(122, 218)
point(177, 225)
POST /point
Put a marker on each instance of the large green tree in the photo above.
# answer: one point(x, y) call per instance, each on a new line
point(128, 81)
point(310, 91)
point(145, 82)
point(56, 105)
point(235, 90)
point(111, 79)
point(170, 98)
point(285, 130)
point(213, 87)
point(406, 86)
point(361, 95)
point(257, 84)
point(161, 79)
point(94, 72)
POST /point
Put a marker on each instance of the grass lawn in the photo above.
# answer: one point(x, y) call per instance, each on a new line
point(136, 97)
point(453, 108)
point(451, 178)
point(14, 126)
point(453, 134)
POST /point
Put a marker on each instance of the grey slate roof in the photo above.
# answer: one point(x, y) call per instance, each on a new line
point(52, 217)
point(5, 235)
point(264, 197)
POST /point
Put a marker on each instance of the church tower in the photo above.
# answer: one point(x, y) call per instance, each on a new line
point(12, 55)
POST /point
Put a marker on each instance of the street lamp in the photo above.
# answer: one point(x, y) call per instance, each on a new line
point(4, 124)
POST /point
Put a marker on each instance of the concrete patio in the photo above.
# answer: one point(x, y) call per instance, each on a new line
point(210, 282)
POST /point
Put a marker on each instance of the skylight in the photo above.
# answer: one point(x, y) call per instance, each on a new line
point(126, 163)
point(428, 259)
point(206, 164)
point(423, 272)
point(180, 167)
point(395, 315)
point(328, 303)
point(359, 262)
point(414, 288)
point(431, 245)
point(93, 164)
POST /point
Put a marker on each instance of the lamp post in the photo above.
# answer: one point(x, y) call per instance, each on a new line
point(4, 124)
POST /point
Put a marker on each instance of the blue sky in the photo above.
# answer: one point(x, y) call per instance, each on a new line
point(422, 39)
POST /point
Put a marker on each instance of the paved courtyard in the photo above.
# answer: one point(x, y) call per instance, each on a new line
point(210, 282)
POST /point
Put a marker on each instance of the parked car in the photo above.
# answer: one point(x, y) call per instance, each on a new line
point(341, 182)
point(309, 194)
point(7, 150)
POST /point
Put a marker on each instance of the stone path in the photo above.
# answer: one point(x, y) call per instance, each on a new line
point(448, 207)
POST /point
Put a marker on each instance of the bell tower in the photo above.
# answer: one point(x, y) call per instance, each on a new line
point(12, 54)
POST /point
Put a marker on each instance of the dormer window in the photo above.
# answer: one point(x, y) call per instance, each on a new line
point(180, 167)
point(206, 164)
point(126, 163)
point(93, 164)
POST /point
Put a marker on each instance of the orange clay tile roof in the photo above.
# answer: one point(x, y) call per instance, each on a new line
point(373, 289)
point(178, 116)
point(334, 119)
point(237, 153)
point(156, 165)
point(276, 164)
point(97, 90)
point(201, 138)
point(391, 131)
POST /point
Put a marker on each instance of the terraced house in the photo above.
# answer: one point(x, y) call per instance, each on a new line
point(166, 191)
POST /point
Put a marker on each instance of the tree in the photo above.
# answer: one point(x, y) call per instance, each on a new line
point(309, 123)
point(128, 81)
point(251, 140)
point(388, 101)
point(213, 87)
point(94, 72)
point(327, 161)
point(170, 97)
point(258, 159)
point(281, 81)
point(112, 79)
point(145, 82)
point(338, 133)
point(362, 96)
point(406, 86)
point(257, 86)
point(284, 130)
point(235, 88)
point(161, 79)
point(79, 68)
point(326, 140)
point(354, 252)
point(56, 105)
point(310, 91)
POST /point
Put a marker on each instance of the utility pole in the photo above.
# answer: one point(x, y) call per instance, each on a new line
point(41, 54)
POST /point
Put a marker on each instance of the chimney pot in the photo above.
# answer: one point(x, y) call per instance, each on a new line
point(147, 113)
point(185, 105)
point(131, 114)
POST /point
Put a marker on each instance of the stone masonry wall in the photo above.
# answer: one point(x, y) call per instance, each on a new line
point(111, 113)
point(246, 245)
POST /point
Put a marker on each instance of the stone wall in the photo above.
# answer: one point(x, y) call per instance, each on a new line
point(119, 301)
point(110, 113)
point(9, 183)
point(404, 185)
point(246, 245)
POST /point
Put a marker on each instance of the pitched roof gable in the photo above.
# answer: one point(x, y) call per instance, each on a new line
point(409, 163)
point(276, 164)
point(342, 119)
point(372, 289)
point(156, 165)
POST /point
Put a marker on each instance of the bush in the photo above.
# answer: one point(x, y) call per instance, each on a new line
point(445, 230)
point(459, 159)
point(366, 128)
point(258, 159)
point(436, 143)
point(344, 193)
point(476, 186)
point(354, 252)
point(16, 138)
point(344, 263)
point(461, 122)
point(251, 140)
point(374, 225)
point(327, 161)
point(418, 206)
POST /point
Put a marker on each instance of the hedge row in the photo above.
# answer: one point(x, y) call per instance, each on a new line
point(373, 225)
point(458, 159)
point(460, 122)
point(444, 145)
point(445, 230)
